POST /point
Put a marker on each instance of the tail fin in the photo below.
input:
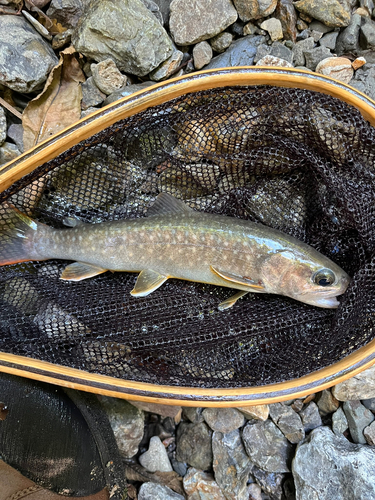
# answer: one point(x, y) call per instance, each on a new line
point(17, 231)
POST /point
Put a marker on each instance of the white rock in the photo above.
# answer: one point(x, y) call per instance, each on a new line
point(273, 61)
point(107, 77)
point(339, 68)
point(156, 457)
point(361, 386)
point(274, 28)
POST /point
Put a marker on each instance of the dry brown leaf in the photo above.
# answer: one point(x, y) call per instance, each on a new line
point(135, 472)
point(51, 25)
point(59, 105)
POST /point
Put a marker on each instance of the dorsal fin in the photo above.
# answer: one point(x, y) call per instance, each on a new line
point(167, 204)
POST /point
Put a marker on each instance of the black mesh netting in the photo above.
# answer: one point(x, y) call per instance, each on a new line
point(296, 160)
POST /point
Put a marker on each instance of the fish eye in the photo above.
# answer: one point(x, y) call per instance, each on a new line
point(324, 277)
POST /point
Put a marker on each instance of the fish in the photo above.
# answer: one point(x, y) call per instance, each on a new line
point(175, 241)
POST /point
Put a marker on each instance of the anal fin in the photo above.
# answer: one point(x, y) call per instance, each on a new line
point(80, 271)
point(230, 301)
point(147, 281)
point(254, 286)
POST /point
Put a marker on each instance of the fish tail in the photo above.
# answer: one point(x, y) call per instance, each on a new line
point(17, 236)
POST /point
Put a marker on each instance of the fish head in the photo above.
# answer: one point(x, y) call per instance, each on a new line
point(308, 277)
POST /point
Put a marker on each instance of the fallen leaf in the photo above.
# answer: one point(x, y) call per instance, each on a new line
point(59, 104)
point(135, 472)
point(51, 25)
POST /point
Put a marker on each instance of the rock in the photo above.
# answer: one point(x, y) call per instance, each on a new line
point(179, 467)
point(347, 40)
point(369, 433)
point(327, 466)
point(168, 67)
point(127, 90)
point(112, 28)
point(263, 50)
point(26, 58)
point(194, 445)
point(339, 422)
point(88, 111)
point(127, 423)
point(223, 419)
point(255, 492)
point(287, 15)
point(202, 54)
point(368, 403)
point(332, 13)
point(107, 77)
point(253, 9)
point(298, 51)
point(8, 152)
point(192, 21)
point(358, 63)
point(240, 53)
point(273, 61)
point(62, 39)
point(329, 40)
point(362, 385)
point(273, 27)
point(155, 491)
point(250, 29)
point(259, 412)
point(310, 417)
point(318, 26)
point(91, 95)
point(174, 412)
point(67, 12)
point(367, 34)
point(193, 414)
point(15, 132)
point(314, 56)
point(267, 447)
point(364, 81)
point(156, 457)
point(164, 9)
point(358, 417)
point(231, 464)
point(36, 24)
point(3, 126)
point(221, 41)
point(154, 9)
point(271, 482)
point(325, 401)
point(201, 486)
point(288, 421)
point(280, 50)
point(362, 12)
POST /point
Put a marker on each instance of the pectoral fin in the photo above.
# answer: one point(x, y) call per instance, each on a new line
point(80, 271)
point(255, 286)
point(147, 281)
point(229, 302)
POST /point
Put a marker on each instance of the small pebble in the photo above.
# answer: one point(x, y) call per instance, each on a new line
point(273, 27)
point(339, 68)
point(156, 457)
point(358, 63)
point(202, 54)
point(339, 422)
point(221, 42)
point(107, 77)
point(326, 402)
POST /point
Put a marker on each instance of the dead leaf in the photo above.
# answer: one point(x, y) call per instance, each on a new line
point(135, 472)
point(59, 105)
point(51, 25)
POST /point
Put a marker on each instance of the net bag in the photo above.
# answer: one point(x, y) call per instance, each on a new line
point(287, 148)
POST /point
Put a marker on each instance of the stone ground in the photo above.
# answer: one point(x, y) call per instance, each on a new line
point(320, 447)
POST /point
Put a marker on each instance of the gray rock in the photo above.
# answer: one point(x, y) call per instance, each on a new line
point(333, 13)
point(113, 28)
point(321, 27)
point(164, 9)
point(15, 132)
point(279, 50)
point(8, 152)
point(201, 486)
point(25, 57)
point(223, 419)
point(329, 40)
point(367, 34)
point(107, 77)
point(347, 40)
point(271, 482)
point(194, 445)
point(253, 9)
point(67, 12)
point(88, 111)
point(91, 95)
point(62, 39)
point(154, 491)
point(369, 433)
point(362, 385)
point(168, 67)
point(298, 51)
point(193, 414)
point(258, 412)
point(255, 492)
point(202, 54)
point(153, 7)
point(339, 422)
point(263, 50)
point(156, 457)
point(328, 467)
point(240, 53)
point(288, 421)
point(221, 42)
point(314, 56)
point(3, 126)
point(365, 82)
point(179, 467)
point(368, 403)
point(326, 402)
point(127, 90)
point(127, 423)
point(267, 447)
point(231, 464)
point(192, 21)
point(358, 417)
point(310, 417)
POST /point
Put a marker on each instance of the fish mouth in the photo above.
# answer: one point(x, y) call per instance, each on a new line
point(322, 298)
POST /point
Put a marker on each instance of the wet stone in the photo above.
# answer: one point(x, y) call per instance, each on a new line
point(314, 56)
point(240, 53)
point(310, 417)
point(358, 417)
point(362, 385)
point(201, 486)
point(231, 464)
point(154, 491)
point(156, 457)
point(253, 9)
point(270, 482)
point(288, 421)
point(333, 13)
point(194, 445)
point(267, 447)
point(223, 419)
point(202, 54)
point(192, 21)
point(91, 95)
point(3, 126)
point(287, 15)
point(369, 433)
point(259, 412)
point(339, 422)
point(221, 42)
point(326, 402)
